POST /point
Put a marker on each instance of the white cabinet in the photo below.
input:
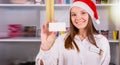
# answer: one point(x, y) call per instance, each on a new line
point(34, 15)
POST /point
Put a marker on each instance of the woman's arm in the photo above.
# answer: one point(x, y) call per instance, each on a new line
point(105, 59)
point(48, 48)
point(52, 56)
point(48, 57)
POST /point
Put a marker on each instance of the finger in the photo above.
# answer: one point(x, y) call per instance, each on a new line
point(47, 21)
point(43, 29)
point(47, 27)
point(53, 34)
point(55, 20)
point(51, 37)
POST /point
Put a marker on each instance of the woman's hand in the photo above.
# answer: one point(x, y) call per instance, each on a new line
point(47, 38)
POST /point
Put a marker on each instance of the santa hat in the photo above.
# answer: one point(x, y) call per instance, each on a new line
point(89, 6)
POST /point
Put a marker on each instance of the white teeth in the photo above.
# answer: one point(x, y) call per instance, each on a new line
point(79, 22)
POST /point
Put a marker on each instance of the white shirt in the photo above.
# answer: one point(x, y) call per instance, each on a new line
point(88, 54)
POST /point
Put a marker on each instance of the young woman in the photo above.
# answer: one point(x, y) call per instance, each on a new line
point(83, 45)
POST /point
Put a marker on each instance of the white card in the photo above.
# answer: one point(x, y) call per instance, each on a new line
point(57, 26)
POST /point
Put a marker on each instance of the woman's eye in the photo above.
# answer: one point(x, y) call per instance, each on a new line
point(73, 14)
point(83, 12)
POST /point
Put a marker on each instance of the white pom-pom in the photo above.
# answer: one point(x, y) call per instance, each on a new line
point(98, 21)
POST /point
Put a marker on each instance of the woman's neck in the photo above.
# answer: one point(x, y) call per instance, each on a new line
point(82, 34)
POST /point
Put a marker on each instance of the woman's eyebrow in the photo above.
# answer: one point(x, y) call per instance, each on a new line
point(83, 10)
point(73, 12)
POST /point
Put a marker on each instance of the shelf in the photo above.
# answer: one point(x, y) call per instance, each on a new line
point(68, 5)
point(22, 5)
point(114, 41)
point(106, 4)
point(21, 39)
point(34, 39)
point(43, 5)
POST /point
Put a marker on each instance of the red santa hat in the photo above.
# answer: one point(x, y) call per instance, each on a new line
point(89, 6)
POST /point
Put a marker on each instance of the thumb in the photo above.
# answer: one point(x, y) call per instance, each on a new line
point(53, 34)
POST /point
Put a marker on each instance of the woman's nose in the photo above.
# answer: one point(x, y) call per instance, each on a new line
point(78, 17)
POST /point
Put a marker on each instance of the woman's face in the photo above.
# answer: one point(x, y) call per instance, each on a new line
point(79, 17)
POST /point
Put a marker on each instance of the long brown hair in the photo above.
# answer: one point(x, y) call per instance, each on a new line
point(90, 29)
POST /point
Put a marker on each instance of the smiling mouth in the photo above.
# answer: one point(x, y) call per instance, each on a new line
point(79, 22)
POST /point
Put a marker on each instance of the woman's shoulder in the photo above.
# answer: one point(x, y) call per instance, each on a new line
point(101, 40)
point(100, 37)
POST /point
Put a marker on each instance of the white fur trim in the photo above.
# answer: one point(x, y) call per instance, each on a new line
point(83, 6)
point(98, 21)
